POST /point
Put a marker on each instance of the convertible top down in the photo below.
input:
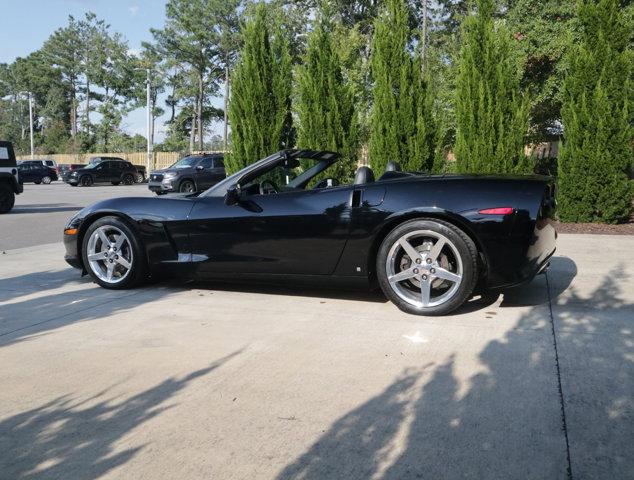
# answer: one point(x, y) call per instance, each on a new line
point(427, 240)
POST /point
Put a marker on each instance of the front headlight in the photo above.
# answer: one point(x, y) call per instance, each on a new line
point(169, 175)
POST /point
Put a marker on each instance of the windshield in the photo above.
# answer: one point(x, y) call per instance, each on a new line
point(186, 162)
point(91, 165)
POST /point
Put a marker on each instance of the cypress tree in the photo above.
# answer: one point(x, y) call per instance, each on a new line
point(491, 111)
point(402, 127)
point(260, 107)
point(325, 103)
point(597, 149)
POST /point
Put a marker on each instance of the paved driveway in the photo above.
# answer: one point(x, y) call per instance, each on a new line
point(189, 380)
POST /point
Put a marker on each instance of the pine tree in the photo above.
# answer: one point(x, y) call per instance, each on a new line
point(596, 112)
point(491, 111)
point(325, 103)
point(402, 126)
point(260, 106)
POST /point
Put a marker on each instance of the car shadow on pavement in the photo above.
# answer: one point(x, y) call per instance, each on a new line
point(43, 209)
point(506, 419)
point(77, 438)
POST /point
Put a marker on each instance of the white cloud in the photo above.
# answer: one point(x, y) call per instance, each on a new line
point(133, 9)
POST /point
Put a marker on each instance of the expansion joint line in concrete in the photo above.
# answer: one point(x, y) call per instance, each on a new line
point(564, 425)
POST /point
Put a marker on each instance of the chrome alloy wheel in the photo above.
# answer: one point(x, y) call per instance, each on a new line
point(109, 254)
point(424, 268)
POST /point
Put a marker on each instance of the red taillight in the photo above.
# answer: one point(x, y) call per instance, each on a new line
point(496, 211)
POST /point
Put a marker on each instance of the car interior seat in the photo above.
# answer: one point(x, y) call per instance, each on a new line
point(363, 175)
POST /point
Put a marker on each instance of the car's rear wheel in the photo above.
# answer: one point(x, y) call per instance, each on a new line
point(427, 267)
point(115, 183)
point(187, 186)
point(7, 198)
point(112, 254)
point(86, 181)
point(128, 179)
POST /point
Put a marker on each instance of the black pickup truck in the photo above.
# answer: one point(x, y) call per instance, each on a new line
point(10, 185)
point(141, 171)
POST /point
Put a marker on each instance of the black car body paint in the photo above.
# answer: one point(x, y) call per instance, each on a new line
point(332, 233)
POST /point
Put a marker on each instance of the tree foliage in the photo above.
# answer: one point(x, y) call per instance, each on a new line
point(402, 126)
point(491, 111)
point(325, 104)
point(260, 108)
point(597, 114)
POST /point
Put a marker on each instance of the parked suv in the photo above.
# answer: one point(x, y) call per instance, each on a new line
point(114, 172)
point(193, 173)
point(141, 172)
point(10, 185)
point(37, 172)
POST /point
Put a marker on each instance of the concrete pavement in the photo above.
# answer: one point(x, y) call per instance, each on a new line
point(186, 380)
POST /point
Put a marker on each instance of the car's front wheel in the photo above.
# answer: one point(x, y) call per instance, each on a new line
point(427, 267)
point(86, 181)
point(112, 254)
point(46, 180)
point(187, 186)
point(140, 178)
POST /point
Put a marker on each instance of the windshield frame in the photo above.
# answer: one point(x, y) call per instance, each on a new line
point(324, 160)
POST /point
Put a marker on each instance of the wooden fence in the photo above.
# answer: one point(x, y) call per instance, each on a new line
point(159, 159)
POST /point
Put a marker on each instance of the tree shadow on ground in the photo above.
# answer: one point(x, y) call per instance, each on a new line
point(31, 304)
point(72, 438)
point(504, 421)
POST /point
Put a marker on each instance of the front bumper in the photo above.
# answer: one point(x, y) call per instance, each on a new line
point(162, 186)
point(72, 255)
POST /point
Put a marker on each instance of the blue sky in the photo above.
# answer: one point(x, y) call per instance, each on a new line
point(26, 24)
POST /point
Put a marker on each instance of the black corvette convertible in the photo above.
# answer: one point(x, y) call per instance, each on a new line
point(427, 240)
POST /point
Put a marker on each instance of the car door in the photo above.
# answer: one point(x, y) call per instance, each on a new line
point(25, 173)
point(204, 173)
point(218, 172)
point(297, 232)
point(103, 172)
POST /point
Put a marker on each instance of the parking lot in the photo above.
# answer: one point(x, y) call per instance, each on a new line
point(190, 380)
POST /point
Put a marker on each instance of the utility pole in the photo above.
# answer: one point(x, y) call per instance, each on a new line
point(149, 122)
point(31, 124)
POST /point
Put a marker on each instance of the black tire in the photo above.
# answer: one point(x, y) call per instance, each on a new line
point(86, 181)
point(140, 178)
point(115, 183)
point(464, 247)
point(139, 265)
point(7, 198)
point(37, 182)
point(46, 180)
point(187, 186)
point(128, 179)
point(161, 193)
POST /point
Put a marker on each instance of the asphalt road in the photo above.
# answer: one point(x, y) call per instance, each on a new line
point(41, 212)
point(189, 380)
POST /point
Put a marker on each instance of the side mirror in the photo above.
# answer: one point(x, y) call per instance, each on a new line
point(232, 197)
point(199, 168)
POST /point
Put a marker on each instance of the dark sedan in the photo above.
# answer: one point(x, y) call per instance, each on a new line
point(426, 240)
point(193, 173)
point(36, 172)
